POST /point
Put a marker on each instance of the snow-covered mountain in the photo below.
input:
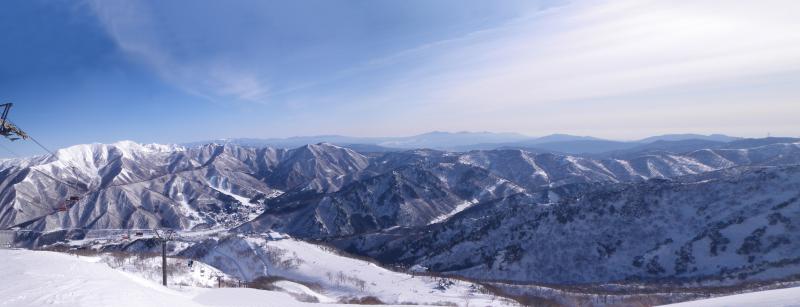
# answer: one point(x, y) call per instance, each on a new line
point(734, 225)
point(128, 185)
point(415, 188)
point(689, 136)
point(507, 214)
point(412, 195)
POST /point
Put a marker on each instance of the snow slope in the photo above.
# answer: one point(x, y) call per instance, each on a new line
point(37, 278)
point(770, 298)
point(179, 273)
point(45, 278)
point(336, 276)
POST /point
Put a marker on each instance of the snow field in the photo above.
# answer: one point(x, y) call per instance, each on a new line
point(38, 278)
point(789, 297)
point(32, 278)
point(343, 276)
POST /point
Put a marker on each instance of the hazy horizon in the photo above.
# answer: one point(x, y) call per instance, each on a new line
point(29, 149)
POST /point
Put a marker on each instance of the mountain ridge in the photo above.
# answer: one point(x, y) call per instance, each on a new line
point(361, 202)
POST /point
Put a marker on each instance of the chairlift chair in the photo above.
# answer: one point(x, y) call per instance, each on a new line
point(67, 203)
point(8, 129)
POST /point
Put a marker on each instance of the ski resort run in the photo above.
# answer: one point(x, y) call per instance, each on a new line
point(310, 274)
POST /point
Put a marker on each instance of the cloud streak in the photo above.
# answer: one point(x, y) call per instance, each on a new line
point(139, 33)
point(586, 51)
point(629, 57)
point(636, 50)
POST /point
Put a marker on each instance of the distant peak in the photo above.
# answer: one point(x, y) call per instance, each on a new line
point(125, 147)
point(689, 136)
point(318, 146)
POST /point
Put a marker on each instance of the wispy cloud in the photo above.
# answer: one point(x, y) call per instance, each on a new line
point(624, 59)
point(136, 30)
point(557, 58)
point(590, 50)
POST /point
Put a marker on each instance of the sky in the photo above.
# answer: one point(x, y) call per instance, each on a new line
point(179, 71)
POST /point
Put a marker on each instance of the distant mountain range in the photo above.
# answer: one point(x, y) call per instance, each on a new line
point(431, 140)
point(466, 141)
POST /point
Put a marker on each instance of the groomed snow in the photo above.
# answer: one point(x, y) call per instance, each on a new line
point(38, 278)
point(770, 298)
point(34, 278)
point(336, 273)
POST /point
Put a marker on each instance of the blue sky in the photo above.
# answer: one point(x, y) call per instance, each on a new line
point(178, 71)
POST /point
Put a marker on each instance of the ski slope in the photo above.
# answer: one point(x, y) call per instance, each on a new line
point(338, 277)
point(770, 298)
point(343, 275)
point(38, 278)
point(33, 278)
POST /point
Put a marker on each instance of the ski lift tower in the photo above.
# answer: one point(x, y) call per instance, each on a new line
point(164, 236)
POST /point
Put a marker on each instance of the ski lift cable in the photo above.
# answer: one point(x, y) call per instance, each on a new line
point(10, 151)
point(86, 191)
point(21, 133)
point(61, 204)
point(42, 146)
point(32, 201)
point(52, 154)
point(41, 172)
